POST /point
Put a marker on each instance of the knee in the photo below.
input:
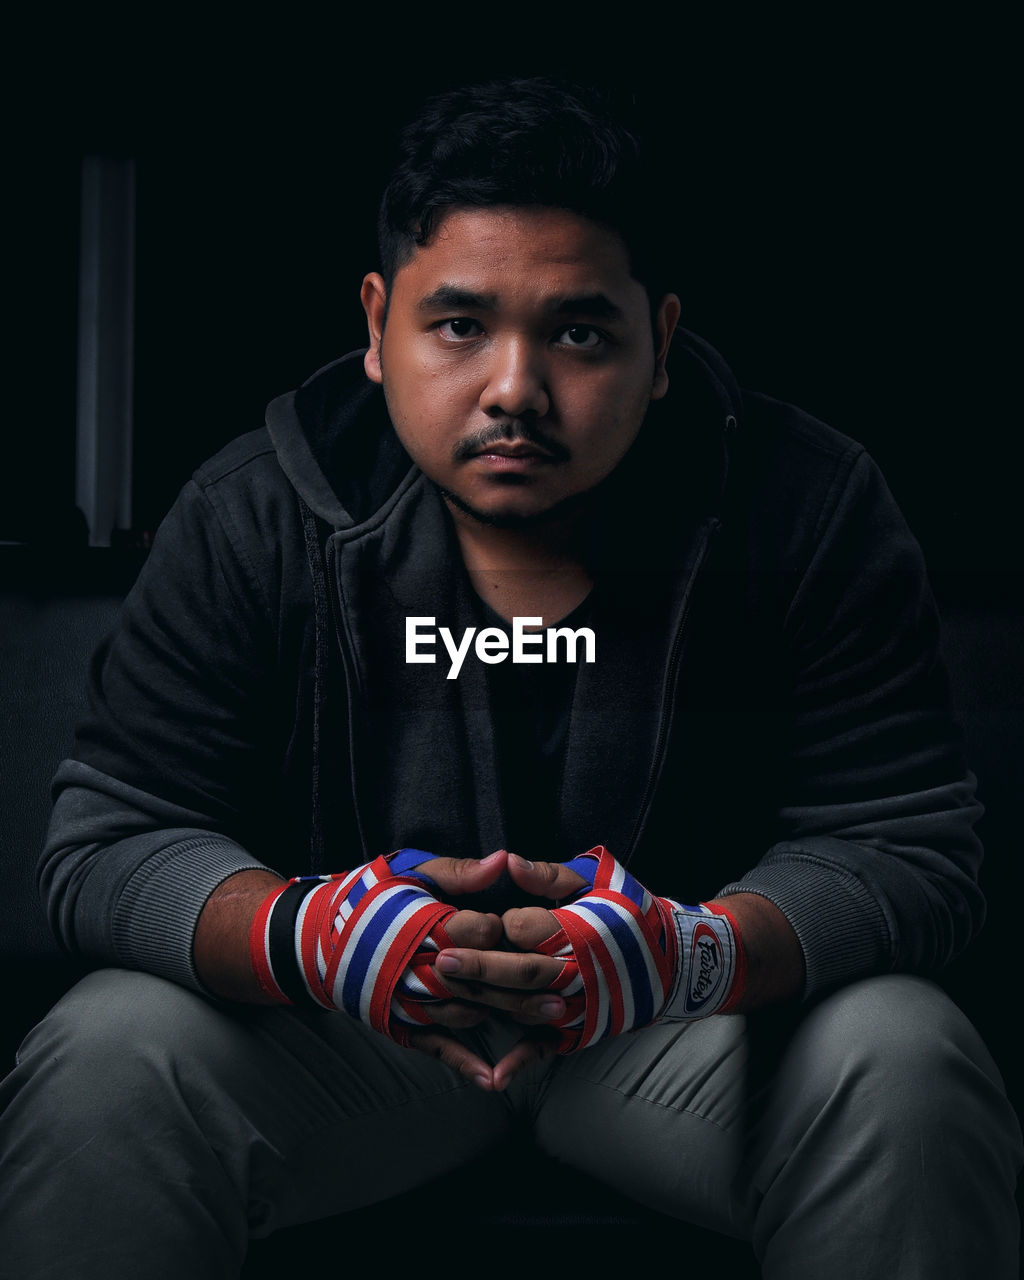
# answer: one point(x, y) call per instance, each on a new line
point(898, 1050)
point(114, 1033)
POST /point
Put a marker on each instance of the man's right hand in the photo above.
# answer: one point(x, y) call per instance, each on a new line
point(222, 959)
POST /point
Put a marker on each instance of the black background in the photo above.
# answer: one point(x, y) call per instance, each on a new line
point(843, 184)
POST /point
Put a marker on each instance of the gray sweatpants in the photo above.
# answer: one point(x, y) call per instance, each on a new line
point(148, 1132)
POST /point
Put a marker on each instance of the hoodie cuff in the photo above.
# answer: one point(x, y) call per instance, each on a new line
point(158, 910)
point(837, 920)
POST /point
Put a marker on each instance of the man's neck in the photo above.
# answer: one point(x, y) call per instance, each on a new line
point(530, 572)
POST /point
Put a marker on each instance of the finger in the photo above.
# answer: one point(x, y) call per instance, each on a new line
point(532, 1048)
point(479, 930)
point(519, 970)
point(527, 927)
point(465, 875)
point(535, 1008)
point(456, 1014)
point(454, 1054)
point(544, 879)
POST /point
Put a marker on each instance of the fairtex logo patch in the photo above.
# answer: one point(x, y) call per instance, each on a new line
point(491, 644)
point(706, 968)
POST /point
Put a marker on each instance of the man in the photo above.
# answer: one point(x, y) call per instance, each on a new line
point(533, 595)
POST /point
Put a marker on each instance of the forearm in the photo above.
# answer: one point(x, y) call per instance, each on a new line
point(124, 875)
point(774, 958)
point(220, 949)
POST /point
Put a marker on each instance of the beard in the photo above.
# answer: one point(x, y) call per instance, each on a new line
point(573, 506)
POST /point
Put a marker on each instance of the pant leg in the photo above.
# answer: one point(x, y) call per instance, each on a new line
point(887, 1146)
point(869, 1136)
point(147, 1132)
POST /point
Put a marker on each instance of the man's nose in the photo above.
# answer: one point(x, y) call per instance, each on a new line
point(516, 381)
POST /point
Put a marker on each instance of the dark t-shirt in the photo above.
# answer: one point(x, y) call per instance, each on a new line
point(530, 707)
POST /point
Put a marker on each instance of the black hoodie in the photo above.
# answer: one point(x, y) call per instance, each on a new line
point(766, 712)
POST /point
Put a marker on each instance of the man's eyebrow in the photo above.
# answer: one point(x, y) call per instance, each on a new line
point(448, 297)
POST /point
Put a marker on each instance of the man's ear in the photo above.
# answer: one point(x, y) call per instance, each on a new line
point(374, 297)
point(665, 322)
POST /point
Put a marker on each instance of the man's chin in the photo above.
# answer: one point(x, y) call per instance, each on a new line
point(509, 515)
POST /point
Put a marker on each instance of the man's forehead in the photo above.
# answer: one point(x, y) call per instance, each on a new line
point(479, 256)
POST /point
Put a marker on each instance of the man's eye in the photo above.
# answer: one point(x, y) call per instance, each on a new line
point(580, 335)
point(459, 327)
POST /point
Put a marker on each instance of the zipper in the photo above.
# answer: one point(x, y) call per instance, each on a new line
point(708, 531)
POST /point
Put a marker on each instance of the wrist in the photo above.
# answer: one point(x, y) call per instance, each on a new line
point(711, 962)
point(361, 942)
point(774, 957)
point(220, 946)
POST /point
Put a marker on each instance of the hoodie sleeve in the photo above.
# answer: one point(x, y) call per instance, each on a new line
point(877, 868)
point(151, 813)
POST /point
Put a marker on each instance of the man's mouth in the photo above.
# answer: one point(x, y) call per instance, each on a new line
point(503, 447)
point(512, 458)
point(512, 449)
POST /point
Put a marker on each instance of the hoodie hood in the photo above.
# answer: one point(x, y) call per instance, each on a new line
point(335, 442)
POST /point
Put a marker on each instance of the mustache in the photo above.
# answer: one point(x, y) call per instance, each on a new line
point(511, 432)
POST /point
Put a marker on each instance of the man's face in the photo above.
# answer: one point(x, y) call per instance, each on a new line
point(518, 358)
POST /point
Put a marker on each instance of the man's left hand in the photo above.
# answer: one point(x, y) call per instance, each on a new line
point(627, 957)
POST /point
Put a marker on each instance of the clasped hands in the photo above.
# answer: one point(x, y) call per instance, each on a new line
point(493, 967)
point(387, 944)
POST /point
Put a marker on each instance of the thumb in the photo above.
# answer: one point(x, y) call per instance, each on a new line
point(527, 927)
point(465, 875)
point(545, 879)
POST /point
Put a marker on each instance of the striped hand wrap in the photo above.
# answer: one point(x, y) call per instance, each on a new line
point(362, 941)
point(632, 959)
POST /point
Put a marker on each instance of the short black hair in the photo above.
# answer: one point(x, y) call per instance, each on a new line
point(521, 142)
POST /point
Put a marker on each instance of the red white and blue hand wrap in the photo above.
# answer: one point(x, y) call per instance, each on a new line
point(632, 958)
point(362, 941)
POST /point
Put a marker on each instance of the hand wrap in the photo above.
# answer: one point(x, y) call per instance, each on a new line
point(632, 959)
point(362, 941)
